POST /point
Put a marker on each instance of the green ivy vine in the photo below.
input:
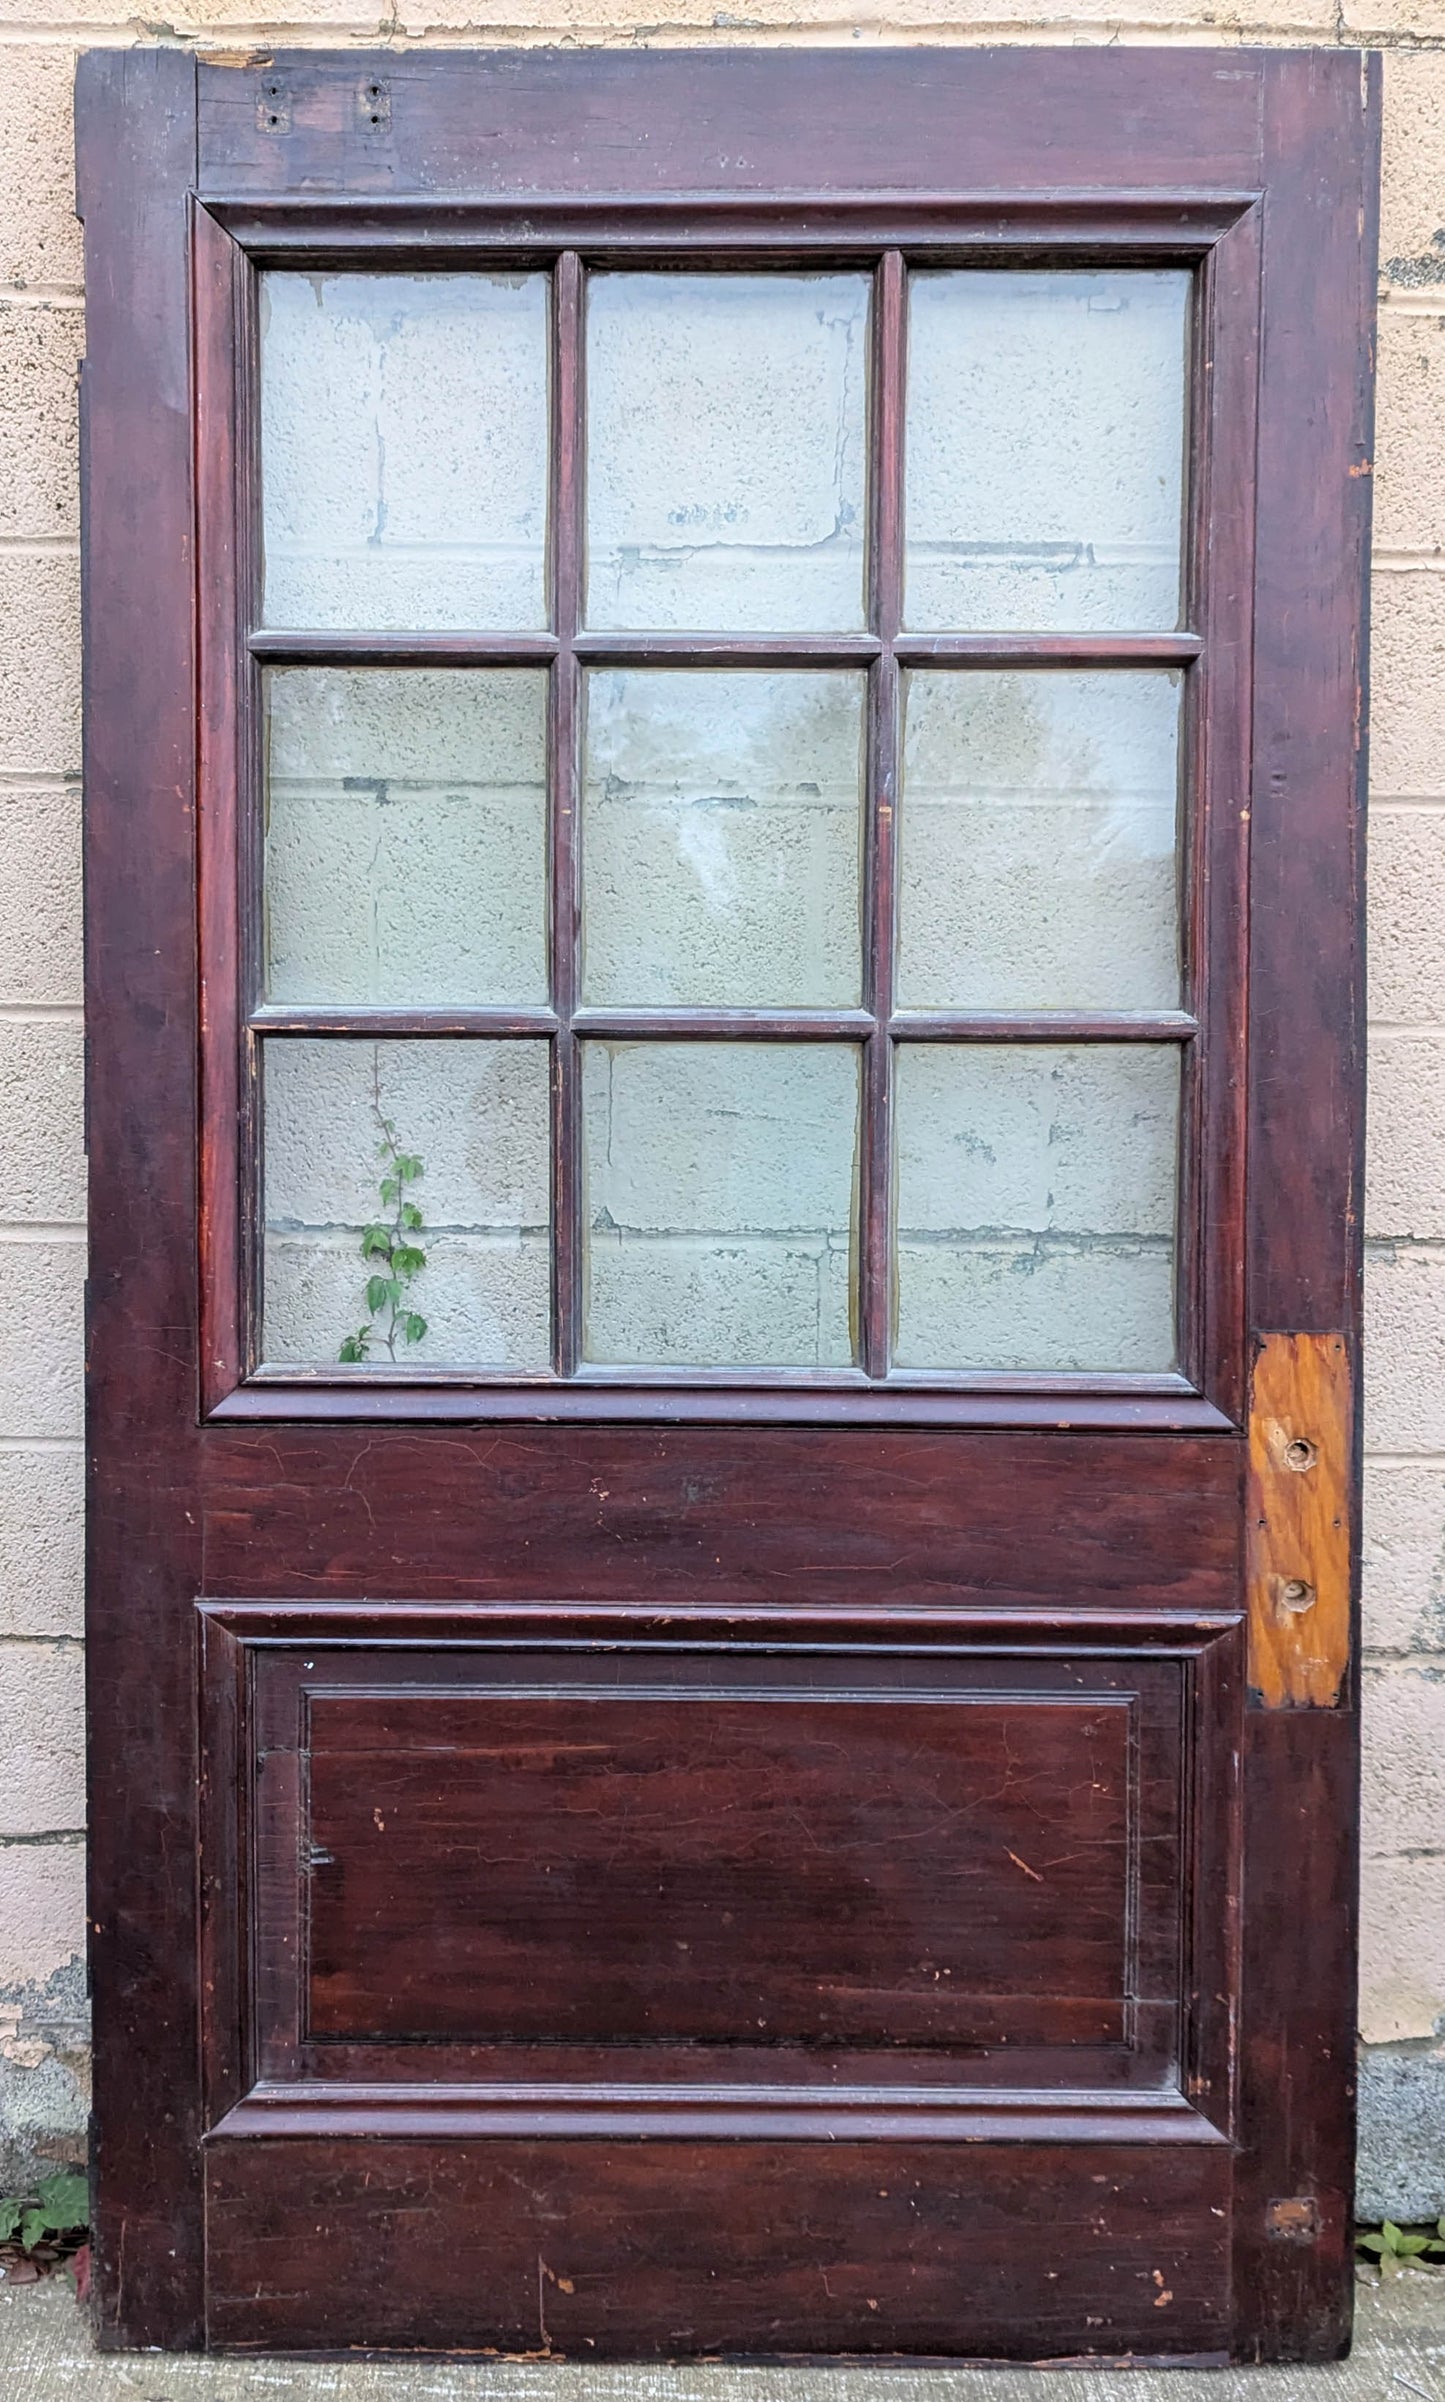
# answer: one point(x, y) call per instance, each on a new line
point(389, 1246)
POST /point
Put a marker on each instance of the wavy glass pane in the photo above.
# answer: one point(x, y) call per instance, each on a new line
point(406, 836)
point(722, 839)
point(719, 1203)
point(1038, 837)
point(471, 1120)
point(1036, 1204)
point(1045, 448)
point(404, 450)
point(726, 419)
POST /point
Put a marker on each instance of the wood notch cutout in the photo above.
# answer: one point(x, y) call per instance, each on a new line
point(1299, 1523)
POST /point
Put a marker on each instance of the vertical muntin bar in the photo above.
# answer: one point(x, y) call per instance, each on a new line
point(566, 539)
point(880, 815)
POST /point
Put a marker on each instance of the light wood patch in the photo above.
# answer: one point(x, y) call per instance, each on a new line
point(1299, 1521)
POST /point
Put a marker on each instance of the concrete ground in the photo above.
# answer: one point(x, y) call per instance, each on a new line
point(45, 2357)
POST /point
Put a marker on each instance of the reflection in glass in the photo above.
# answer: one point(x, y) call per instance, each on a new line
point(380, 1153)
point(1037, 841)
point(404, 450)
point(405, 836)
point(725, 451)
point(721, 839)
point(1036, 1206)
point(1045, 448)
point(719, 1203)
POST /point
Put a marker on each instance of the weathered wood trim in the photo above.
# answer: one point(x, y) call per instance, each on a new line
point(136, 138)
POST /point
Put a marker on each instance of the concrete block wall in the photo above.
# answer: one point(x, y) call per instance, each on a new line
point(42, 2050)
point(477, 1116)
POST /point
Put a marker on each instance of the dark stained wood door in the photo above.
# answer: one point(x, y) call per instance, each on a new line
point(724, 749)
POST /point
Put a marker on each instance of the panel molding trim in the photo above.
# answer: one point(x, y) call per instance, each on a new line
point(419, 1817)
point(775, 2113)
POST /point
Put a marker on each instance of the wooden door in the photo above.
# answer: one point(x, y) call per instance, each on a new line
point(724, 748)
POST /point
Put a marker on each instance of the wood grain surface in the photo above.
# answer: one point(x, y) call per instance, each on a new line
point(438, 1731)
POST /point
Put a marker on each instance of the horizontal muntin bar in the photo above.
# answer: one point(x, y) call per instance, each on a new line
point(346, 647)
point(1044, 1026)
point(734, 1025)
point(631, 649)
point(364, 1025)
point(724, 1025)
point(325, 647)
point(1047, 650)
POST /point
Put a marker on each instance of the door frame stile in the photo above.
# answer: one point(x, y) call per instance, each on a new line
point(1294, 2250)
point(137, 136)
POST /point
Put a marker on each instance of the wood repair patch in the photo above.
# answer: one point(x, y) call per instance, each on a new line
point(1298, 1550)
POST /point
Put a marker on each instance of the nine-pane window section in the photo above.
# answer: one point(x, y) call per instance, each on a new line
point(721, 851)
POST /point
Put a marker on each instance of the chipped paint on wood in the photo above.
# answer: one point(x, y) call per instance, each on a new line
point(1299, 1521)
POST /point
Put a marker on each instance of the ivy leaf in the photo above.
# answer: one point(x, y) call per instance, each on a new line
point(410, 1216)
point(407, 1260)
point(389, 1190)
point(11, 2213)
point(409, 1168)
point(376, 1241)
point(415, 1327)
point(376, 1290)
point(33, 2224)
point(353, 1350)
point(65, 2200)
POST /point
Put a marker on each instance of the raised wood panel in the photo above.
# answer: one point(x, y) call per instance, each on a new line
point(590, 2250)
point(571, 1850)
point(697, 1866)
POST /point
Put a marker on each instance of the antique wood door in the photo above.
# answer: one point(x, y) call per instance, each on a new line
point(723, 757)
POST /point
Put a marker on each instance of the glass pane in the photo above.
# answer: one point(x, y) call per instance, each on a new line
point(720, 1184)
point(725, 450)
point(404, 450)
point(721, 839)
point(406, 836)
point(407, 1203)
point(1045, 439)
point(1036, 1206)
point(1037, 836)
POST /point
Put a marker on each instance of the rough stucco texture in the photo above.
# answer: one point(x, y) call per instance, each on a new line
point(42, 2054)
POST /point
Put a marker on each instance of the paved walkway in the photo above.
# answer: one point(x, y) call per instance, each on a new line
point(44, 2357)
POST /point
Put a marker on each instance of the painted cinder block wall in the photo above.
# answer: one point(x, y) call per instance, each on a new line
point(42, 2018)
